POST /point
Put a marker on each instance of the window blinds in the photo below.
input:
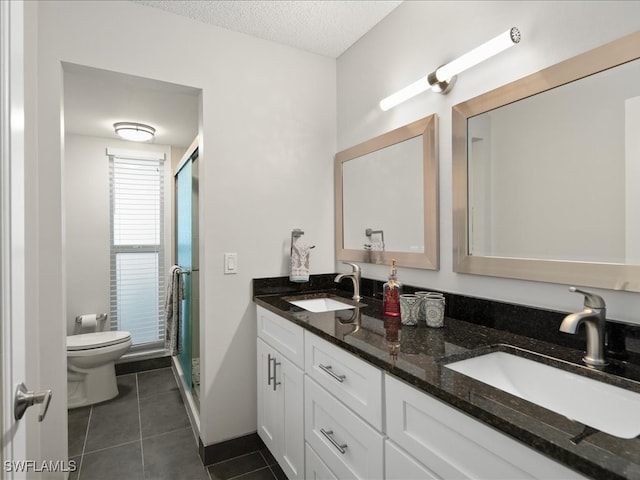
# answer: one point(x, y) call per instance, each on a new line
point(137, 248)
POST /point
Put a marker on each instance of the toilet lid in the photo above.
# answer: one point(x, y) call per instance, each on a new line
point(86, 341)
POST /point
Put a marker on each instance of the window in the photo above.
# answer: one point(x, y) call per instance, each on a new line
point(137, 249)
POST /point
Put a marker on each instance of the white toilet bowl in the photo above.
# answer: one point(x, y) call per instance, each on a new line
point(91, 375)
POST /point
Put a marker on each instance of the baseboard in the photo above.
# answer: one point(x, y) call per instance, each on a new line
point(235, 447)
point(142, 365)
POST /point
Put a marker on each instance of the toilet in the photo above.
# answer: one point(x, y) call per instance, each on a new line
point(91, 375)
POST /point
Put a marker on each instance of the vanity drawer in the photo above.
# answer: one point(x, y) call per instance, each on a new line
point(315, 469)
point(455, 445)
point(281, 334)
point(356, 383)
point(349, 446)
point(400, 466)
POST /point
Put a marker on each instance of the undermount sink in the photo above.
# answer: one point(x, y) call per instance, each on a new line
point(317, 305)
point(605, 407)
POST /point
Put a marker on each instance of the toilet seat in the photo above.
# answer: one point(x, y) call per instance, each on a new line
point(89, 341)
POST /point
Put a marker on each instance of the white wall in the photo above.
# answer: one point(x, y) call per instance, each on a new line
point(419, 36)
point(268, 126)
point(87, 233)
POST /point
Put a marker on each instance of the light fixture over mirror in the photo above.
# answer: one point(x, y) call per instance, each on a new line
point(545, 173)
point(443, 78)
point(135, 132)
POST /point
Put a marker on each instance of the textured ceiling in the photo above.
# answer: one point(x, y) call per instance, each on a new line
point(323, 27)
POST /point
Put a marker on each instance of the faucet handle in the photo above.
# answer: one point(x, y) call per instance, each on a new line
point(355, 268)
point(591, 300)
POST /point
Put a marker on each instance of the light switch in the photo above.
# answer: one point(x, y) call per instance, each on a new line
point(230, 263)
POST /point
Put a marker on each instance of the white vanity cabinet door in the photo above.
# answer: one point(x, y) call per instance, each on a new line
point(280, 409)
point(356, 383)
point(454, 445)
point(400, 466)
point(349, 446)
point(315, 469)
point(270, 406)
point(281, 334)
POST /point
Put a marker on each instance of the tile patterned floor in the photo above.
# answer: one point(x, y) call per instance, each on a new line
point(144, 434)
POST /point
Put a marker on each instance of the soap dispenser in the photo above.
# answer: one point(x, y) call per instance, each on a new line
point(392, 290)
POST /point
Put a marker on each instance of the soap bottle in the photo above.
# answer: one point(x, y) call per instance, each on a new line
point(392, 290)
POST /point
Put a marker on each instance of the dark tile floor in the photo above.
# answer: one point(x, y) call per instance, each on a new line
point(144, 433)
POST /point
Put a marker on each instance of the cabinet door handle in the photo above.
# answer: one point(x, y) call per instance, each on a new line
point(269, 369)
point(275, 383)
point(329, 435)
point(327, 369)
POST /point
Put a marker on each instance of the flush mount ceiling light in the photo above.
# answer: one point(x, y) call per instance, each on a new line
point(444, 77)
point(136, 132)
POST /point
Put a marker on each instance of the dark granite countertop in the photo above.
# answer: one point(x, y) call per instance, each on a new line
point(418, 356)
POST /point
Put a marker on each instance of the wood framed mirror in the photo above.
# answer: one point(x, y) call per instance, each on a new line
point(543, 173)
point(386, 198)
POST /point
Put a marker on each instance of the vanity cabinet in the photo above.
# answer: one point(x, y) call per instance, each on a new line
point(355, 382)
point(280, 391)
point(343, 410)
point(326, 414)
point(348, 445)
point(343, 413)
point(451, 444)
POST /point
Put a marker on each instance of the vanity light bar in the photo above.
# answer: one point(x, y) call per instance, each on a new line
point(444, 77)
point(478, 54)
point(406, 93)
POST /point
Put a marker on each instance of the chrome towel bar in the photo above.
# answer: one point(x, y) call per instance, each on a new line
point(188, 272)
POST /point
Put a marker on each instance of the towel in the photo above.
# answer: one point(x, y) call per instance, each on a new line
point(374, 252)
point(173, 310)
point(299, 263)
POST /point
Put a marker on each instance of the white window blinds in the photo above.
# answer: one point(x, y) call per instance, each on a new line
point(137, 248)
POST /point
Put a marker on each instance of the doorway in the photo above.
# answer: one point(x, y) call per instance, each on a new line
point(95, 99)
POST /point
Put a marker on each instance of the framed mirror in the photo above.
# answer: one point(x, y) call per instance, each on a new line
point(386, 198)
point(545, 173)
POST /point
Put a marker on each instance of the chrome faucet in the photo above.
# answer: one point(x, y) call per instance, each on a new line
point(355, 278)
point(594, 318)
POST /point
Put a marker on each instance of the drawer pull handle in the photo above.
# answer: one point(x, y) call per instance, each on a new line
point(271, 377)
point(275, 382)
point(329, 435)
point(327, 369)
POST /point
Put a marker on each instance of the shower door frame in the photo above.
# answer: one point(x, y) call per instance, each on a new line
point(191, 279)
